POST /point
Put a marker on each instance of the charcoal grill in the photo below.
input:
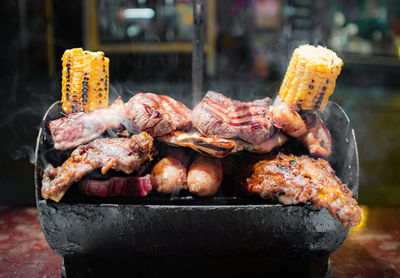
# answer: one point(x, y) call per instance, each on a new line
point(192, 236)
point(226, 236)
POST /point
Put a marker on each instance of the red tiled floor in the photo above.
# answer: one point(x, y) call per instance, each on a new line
point(23, 250)
point(371, 249)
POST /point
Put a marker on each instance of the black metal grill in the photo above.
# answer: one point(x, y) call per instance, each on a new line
point(180, 232)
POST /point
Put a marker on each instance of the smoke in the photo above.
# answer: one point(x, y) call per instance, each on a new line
point(20, 120)
point(11, 116)
point(180, 91)
point(24, 152)
point(116, 90)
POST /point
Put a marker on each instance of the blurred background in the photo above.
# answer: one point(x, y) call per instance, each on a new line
point(247, 48)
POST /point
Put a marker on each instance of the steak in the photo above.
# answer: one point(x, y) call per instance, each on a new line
point(120, 154)
point(80, 128)
point(158, 115)
point(217, 115)
point(298, 179)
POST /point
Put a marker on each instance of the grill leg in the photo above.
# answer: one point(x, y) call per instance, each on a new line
point(75, 267)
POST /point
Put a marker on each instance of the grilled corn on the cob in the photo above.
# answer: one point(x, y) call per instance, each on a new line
point(311, 77)
point(84, 80)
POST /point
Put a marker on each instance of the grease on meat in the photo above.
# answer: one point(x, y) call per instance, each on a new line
point(205, 175)
point(298, 179)
point(170, 173)
point(120, 154)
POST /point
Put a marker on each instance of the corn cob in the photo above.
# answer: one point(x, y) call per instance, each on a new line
point(311, 77)
point(84, 80)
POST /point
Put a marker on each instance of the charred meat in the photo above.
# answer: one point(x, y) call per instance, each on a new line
point(120, 154)
point(158, 115)
point(205, 175)
point(318, 138)
point(170, 173)
point(214, 146)
point(277, 140)
point(288, 119)
point(307, 126)
point(221, 147)
point(80, 128)
point(298, 179)
point(217, 115)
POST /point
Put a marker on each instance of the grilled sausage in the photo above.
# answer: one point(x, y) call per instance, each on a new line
point(169, 174)
point(205, 175)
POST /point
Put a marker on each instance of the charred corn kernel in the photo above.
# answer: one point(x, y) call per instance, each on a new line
point(72, 80)
point(311, 77)
point(96, 82)
point(84, 80)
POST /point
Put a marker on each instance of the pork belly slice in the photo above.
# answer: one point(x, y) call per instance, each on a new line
point(120, 154)
point(158, 114)
point(217, 115)
point(298, 179)
point(220, 147)
point(80, 128)
point(117, 186)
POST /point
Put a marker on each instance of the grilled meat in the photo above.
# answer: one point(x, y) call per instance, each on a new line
point(288, 119)
point(217, 115)
point(157, 114)
point(220, 147)
point(117, 186)
point(80, 128)
point(305, 125)
point(300, 179)
point(120, 154)
point(169, 174)
point(217, 147)
point(318, 139)
point(277, 140)
point(205, 175)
